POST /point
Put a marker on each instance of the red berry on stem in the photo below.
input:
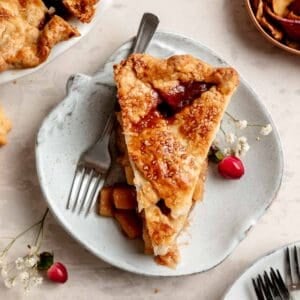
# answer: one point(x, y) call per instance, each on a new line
point(231, 167)
point(58, 273)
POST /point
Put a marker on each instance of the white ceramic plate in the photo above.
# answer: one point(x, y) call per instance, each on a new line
point(243, 289)
point(218, 224)
point(84, 29)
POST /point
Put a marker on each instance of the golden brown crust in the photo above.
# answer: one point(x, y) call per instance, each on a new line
point(55, 31)
point(84, 10)
point(167, 155)
point(24, 43)
point(5, 127)
point(171, 259)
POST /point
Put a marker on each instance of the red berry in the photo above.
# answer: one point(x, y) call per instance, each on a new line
point(231, 167)
point(58, 273)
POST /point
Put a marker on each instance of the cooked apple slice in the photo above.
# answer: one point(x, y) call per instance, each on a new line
point(280, 7)
point(291, 27)
point(124, 197)
point(106, 205)
point(292, 16)
point(254, 4)
point(130, 223)
point(270, 28)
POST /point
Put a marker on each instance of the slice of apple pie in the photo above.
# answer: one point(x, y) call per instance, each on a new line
point(171, 110)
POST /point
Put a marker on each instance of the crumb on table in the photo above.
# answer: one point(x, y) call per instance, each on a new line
point(5, 127)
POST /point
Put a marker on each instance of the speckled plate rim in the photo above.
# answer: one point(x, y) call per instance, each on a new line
point(256, 262)
point(84, 29)
point(265, 34)
point(127, 267)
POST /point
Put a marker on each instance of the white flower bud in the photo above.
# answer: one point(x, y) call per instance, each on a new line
point(4, 272)
point(241, 124)
point(20, 263)
point(230, 138)
point(31, 261)
point(266, 130)
point(242, 140)
point(24, 277)
point(9, 282)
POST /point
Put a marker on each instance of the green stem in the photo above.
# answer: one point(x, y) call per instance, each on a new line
point(222, 130)
point(255, 125)
point(231, 116)
point(40, 234)
point(23, 232)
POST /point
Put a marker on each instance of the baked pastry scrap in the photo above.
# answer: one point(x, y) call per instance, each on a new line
point(26, 37)
point(83, 10)
point(29, 29)
point(171, 110)
point(5, 127)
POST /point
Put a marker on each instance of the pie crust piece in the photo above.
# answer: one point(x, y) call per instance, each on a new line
point(83, 10)
point(25, 39)
point(167, 153)
point(5, 127)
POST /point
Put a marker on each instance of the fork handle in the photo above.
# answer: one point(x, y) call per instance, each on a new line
point(145, 33)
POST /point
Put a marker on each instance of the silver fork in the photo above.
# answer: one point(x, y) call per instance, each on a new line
point(271, 286)
point(93, 165)
point(293, 268)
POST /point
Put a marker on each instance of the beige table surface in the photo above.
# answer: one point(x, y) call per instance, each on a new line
point(221, 25)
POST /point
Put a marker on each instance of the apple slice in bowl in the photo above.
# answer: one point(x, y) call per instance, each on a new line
point(290, 26)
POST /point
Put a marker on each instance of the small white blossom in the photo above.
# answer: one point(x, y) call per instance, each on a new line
point(216, 142)
point(258, 138)
point(226, 151)
point(266, 130)
point(20, 263)
point(4, 272)
point(242, 140)
point(24, 277)
point(230, 138)
point(242, 146)
point(245, 149)
point(241, 124)
point(31, 261)
point(9, 282)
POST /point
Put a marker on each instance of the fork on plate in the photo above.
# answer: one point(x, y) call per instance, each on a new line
point(94, 164)
point(271, 286)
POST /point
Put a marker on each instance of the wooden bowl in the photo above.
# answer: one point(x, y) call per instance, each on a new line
point(265, 34)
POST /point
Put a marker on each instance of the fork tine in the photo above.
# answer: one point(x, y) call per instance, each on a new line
point(265, 288)
point(97, 186)
point(86, 189)
point(72, 188)
point(279, 282)
point(297, 261)
point(272, 286)
point(79, 188)
point(289, 267)
point(258, 291)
